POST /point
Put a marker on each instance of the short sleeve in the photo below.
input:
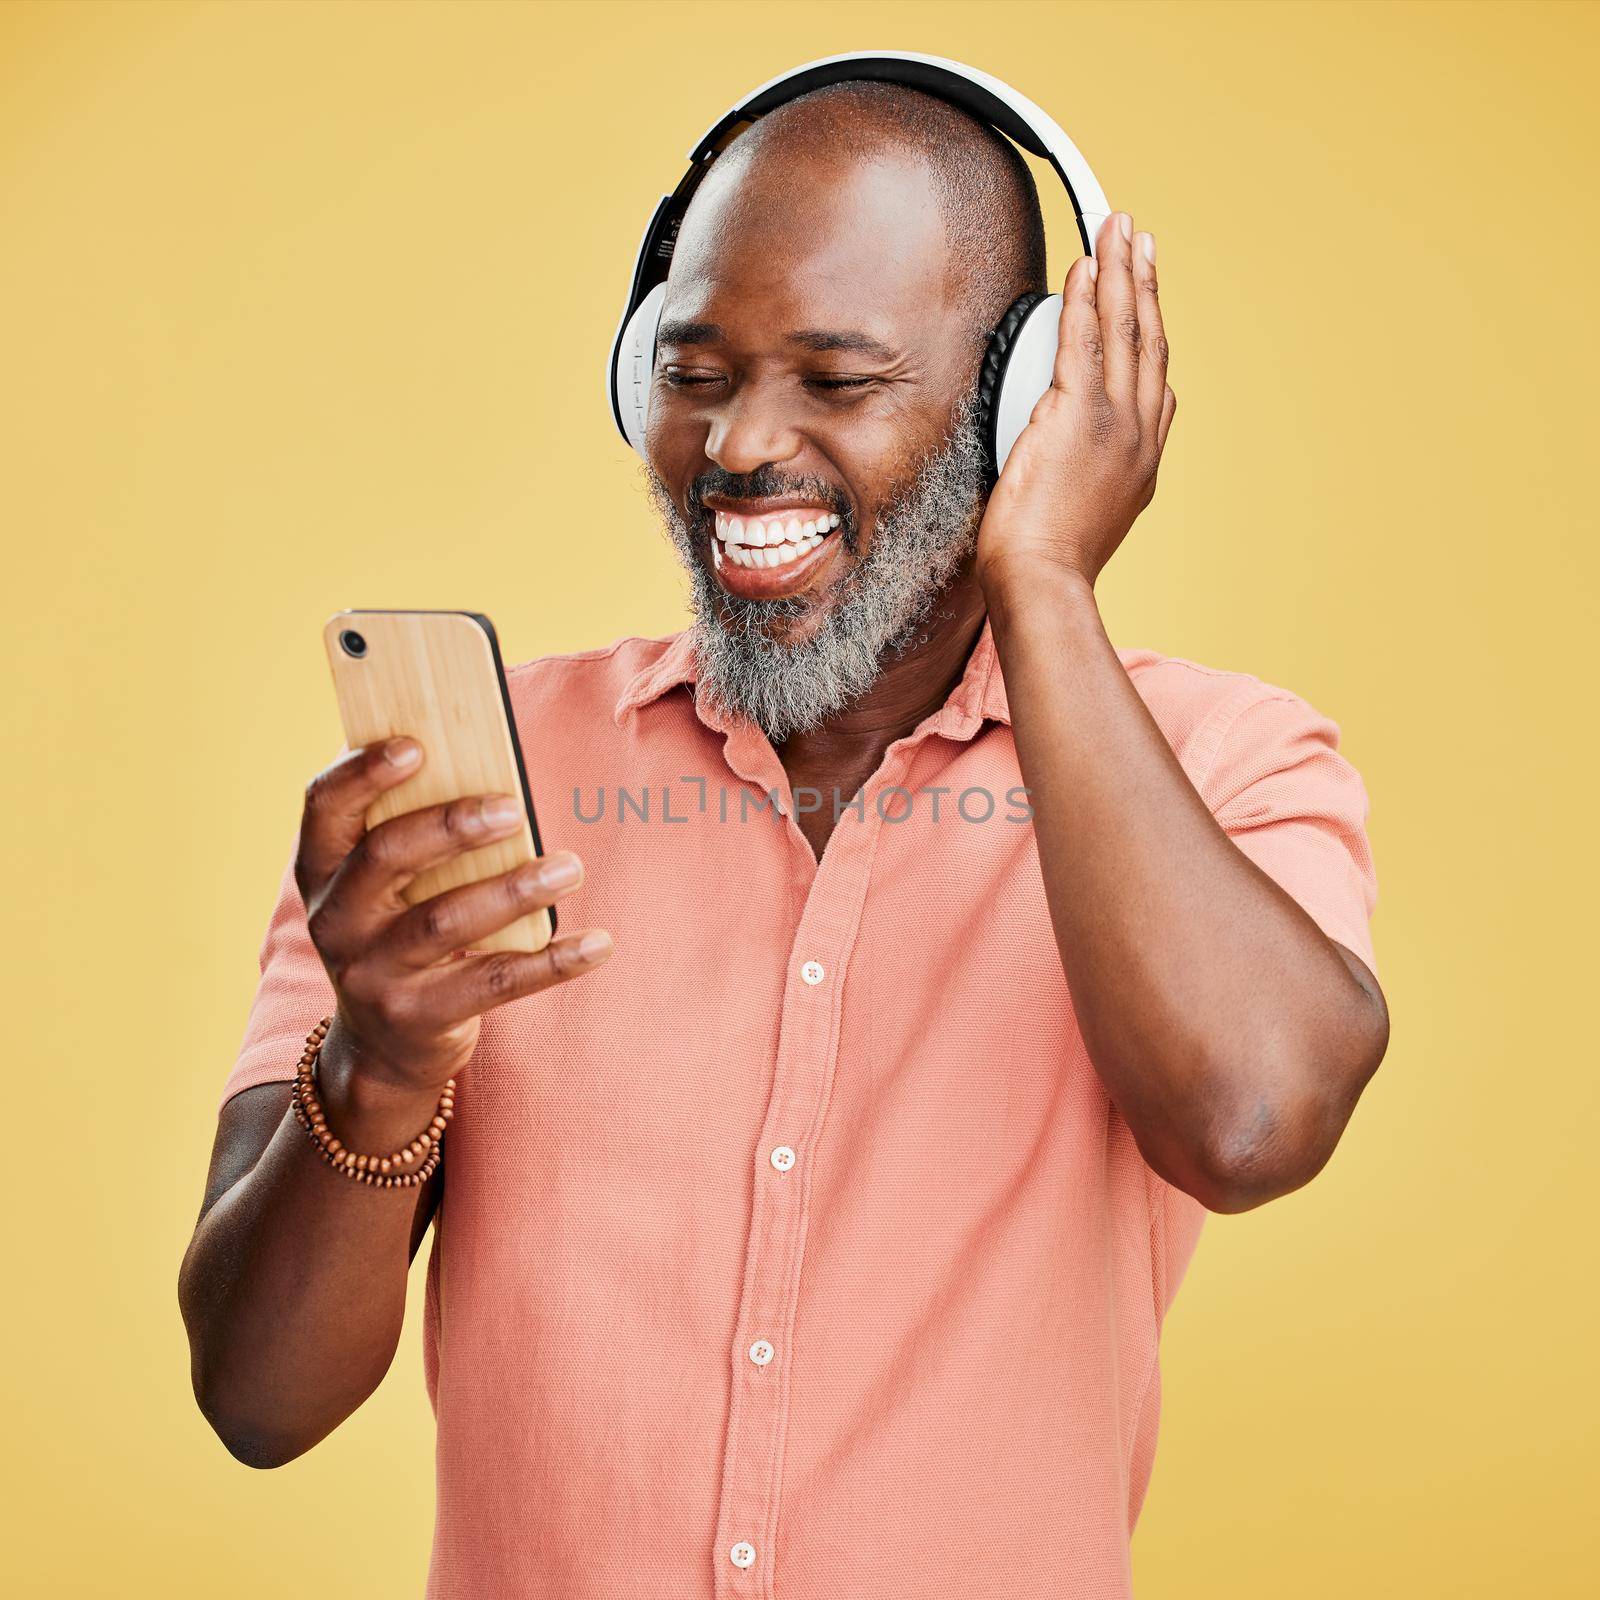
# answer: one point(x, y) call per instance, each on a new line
point(292, 996)
point(1280, 789)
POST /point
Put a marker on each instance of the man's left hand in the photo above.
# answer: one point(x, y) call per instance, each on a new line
point(1085, 465)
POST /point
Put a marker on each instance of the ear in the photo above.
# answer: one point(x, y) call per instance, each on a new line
point(634, 365)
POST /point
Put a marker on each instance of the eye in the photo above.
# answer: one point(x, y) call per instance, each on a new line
point(833, 384)
point(688, 380)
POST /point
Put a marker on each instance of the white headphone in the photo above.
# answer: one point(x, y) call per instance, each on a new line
point(1022, 349)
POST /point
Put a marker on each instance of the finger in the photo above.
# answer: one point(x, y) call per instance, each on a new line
point(1152, 380)
point(1077, 367)
point(478, 983)
point(368, 889)
point(1119, 316)
point(435, 929)
point(1169, 405)
point(336, 804)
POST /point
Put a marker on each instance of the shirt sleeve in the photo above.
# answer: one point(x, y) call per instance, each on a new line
point(293, 995)
point(1280, 789)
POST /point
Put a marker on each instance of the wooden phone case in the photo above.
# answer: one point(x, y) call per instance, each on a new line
point(437, 677)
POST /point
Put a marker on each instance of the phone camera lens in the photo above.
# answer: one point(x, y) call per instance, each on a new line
point(352, 643)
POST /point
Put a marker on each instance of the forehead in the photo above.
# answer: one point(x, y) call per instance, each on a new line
point(791, 239)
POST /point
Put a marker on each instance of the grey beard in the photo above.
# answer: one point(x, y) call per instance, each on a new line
point(879, 611)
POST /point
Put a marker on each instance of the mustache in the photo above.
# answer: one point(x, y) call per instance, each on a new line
point(765, 482)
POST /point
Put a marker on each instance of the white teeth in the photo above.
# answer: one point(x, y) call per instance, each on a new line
point(773, 543)
point(777, 554)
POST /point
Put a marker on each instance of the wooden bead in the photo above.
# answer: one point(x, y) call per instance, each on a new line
point(376, 1171)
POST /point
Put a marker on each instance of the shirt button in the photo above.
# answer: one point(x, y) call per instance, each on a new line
point(783, 1158)
point(742, 1554)
point(761, 1352)
point(813, 973)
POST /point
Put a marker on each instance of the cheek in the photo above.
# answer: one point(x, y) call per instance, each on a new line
point(877, 457)
point(673, 446)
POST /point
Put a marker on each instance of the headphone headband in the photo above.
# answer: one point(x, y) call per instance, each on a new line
point(984, 97)
point(975, 92)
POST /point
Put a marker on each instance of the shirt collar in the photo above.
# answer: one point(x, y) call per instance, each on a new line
point(978, 694)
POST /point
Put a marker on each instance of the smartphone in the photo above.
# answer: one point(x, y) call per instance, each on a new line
point(437, 677)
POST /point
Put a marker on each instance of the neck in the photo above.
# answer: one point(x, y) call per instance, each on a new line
point(845, 751)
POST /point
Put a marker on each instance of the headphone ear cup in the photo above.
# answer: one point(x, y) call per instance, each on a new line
point(991, 374)
point(1017, 368)
point(634, 365)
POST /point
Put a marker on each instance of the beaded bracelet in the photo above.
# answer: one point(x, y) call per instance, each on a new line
point(396, 1171)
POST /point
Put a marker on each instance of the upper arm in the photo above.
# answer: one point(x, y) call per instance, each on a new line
point(1369, 986)
point(1363, 974)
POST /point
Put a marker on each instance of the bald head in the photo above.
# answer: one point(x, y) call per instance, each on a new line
point(987, 200)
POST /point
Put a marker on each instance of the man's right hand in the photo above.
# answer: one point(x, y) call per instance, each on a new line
point(408, 1014)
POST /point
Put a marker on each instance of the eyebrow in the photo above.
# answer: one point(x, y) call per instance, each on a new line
point(689, 333)
point(821, 340)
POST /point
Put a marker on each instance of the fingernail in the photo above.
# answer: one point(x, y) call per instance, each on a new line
point(1147, 243)
point(595, 945)
point(402, 752)
point(1094, 269)
point(1125, 222)
point(559, 872)
point(501, 811)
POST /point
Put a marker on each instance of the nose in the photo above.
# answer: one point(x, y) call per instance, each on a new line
point(751, 431)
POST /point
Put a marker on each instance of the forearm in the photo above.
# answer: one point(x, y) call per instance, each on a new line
point(1227, 1028)
point(293, 1289)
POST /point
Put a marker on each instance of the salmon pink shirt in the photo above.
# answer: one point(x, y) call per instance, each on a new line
point(799, 1251)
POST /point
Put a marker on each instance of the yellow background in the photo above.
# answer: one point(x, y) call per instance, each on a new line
point(304, 306)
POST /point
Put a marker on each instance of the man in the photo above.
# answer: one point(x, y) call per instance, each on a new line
point(816, 1243)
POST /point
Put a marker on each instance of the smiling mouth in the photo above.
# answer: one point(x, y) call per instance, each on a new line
point(774, 540)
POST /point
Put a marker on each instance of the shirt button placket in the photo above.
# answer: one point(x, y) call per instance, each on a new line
point(801, 1082)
